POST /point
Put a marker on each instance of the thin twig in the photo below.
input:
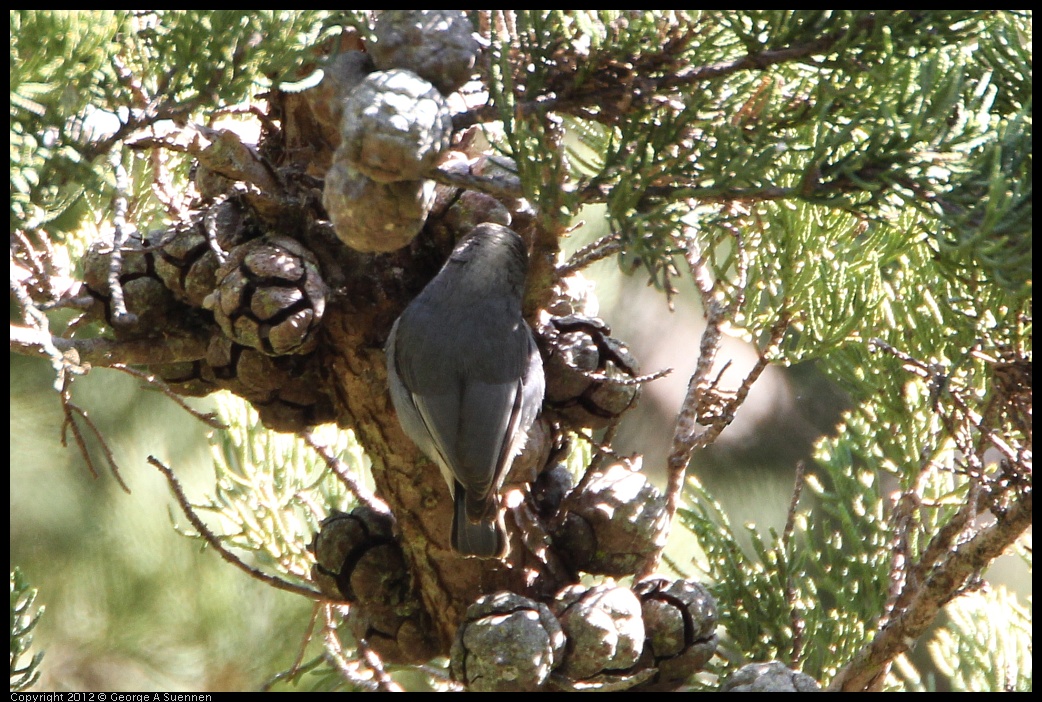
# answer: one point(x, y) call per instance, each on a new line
point(704, 404)
point(219, 150)
point(951, 561)
point(614, 92)
point(38, 321)
point(335, 655)
point(295, 668)
point(944, 581)
point(673, 565)
point(214, 541)
point(384, 681)
point(73, 416)
point(340, 469)
point(118, 310)
point(604, 247)
point(439, 675)
point(790, 519)
point(901, 559)
point(154, 382)
point(605, 452)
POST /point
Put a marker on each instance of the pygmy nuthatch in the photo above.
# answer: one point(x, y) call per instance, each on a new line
point(467, 380)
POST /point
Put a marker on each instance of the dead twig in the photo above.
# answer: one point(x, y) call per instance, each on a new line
point(74, 416)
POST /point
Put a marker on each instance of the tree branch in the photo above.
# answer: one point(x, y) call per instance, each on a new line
point(965, 559)
point(613, 91)
point(110, 352)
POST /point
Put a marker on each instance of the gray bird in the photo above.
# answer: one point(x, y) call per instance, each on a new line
point(467, 380)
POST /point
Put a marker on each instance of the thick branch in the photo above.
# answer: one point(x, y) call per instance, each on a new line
point(219, 150)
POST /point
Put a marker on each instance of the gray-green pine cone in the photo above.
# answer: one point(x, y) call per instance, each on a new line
point(148, 301)
point(508, 643)
point(680, 619)
point(587, 372)
point(395, 126)
point(358, 560)
point(341, 74)
point(342, 542)
point(615, 525)
point(773, 676)
point(438, 45)
point(373, 217)
point(603, 627)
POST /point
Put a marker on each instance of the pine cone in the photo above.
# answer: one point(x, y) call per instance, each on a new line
point(395, 126)
point(284, 390)
point(148, 301)
point(472, 208)
point(358, 560)
point(550, 488)
point(603, 627)
point(187, 263)
point(187, 378)
point(373, 217)
point(680, 623)
point(342, 540)
point(573, 296)
point(395, 638)
point(583, 370)
point(615, 525)
point(438, 45)
point(507, 643)
point(769, 677)
point(270, 296)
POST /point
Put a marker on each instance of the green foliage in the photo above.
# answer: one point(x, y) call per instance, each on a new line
point(58, 68)
point(986, 643)
point(830, 578)
point(24, 618)
point(529, 134)
point(842, 282)
point(271, 491)
point(878, 113)
point(864, 175)
point(82, 79)
point(827, 581)
point(270, 494)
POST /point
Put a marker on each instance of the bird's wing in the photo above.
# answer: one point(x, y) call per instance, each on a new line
point(417, 411)
point(468, 401)
point(491, 413)
point(469, 429)
point(437, 411)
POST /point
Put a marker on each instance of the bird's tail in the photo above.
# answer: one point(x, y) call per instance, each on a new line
point(483, 539)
